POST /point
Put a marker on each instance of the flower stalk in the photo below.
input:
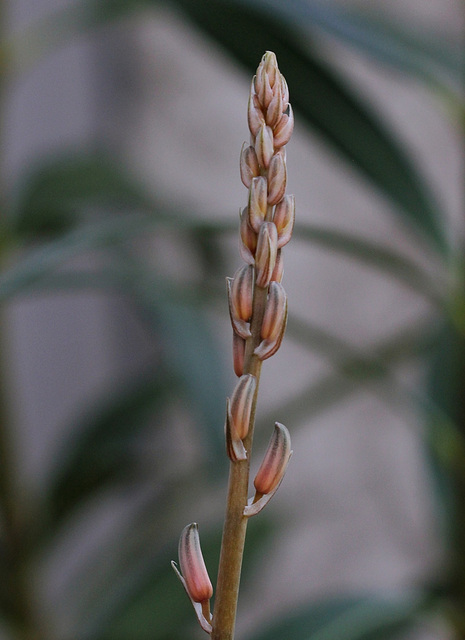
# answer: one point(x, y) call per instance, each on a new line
point(258, 312)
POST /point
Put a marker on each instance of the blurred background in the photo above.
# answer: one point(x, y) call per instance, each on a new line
point(122, 124)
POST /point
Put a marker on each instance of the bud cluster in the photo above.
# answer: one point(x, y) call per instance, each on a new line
point(258, 312)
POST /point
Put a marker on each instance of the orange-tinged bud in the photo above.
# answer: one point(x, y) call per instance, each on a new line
point(277, 178)
point(275, 312)
point(192, 565)
point(238, 354)
point(284, 217)
point(257, 202)
point(274, 463)
point(264, 145)
point(265, 255)
point(248, 164)
point(283, 130)
point(248, 238)
point(240, 406)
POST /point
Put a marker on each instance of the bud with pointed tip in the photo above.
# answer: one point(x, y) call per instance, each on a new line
point(257, 202)
point(238, 307)
point(264, 146)
point(248, 243)
point(283, 130)
point(274, 463)
point(284, 91)
point(248, 164)
point(275, 312)
point(192, 565)
point(284, 216)
point(255, 117)
point(241, 405)
point(242, 292)
point(277, 178)
point(267, 347)
point(278, 270)
point(275, 108)
point(265, 255)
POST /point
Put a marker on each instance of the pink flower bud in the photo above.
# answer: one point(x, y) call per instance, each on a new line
point(262, 87)
point(241, 406)
point(192, 565)
point(257, 202)
point(274, 463)
point(275, 108)
point(239, 325)
point(248, 243)
point(265, 255)
point(278, 270)
point(238, 354)
point(275, 312)
point(269, 346)
point(242, 292)
point(255, 117)
point(284, 91)
point(283, 130)
point(264, 145)
point(248, 164)
point(277, 178)
point(284, 217)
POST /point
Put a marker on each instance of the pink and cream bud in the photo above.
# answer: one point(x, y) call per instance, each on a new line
point(255, 117)
point(284, 216)
point(192, 565)
point(240, 406)
point(257, 202)
point(275, 312)
point(248, 238)
point(278, 270)
point(264, 145)
point(277, 178)
point(283, 130)
point(265, 255)
point(248, 165)
point(274, 464)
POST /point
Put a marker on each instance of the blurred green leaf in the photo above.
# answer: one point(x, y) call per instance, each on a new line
point(350, 617)
point(425, 56)
point(325, 103)
point(55, 194)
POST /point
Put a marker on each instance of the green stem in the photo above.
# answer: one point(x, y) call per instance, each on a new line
point(235, 524)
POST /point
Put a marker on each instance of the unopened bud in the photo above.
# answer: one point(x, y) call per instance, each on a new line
point(268, 347)
point(274, 463)
point(284, 91)
point(234, 445)
point(283, 130)
point(275, 108)
point(257, 202)
point(238, 354)
point(264, 145)
point(265, 80)
point(248, 238)
point(242, 291)
point(248, 164)
point(265, 255)
point(255, 117)
point(284, 216)
point(239, 325)
point(275, 312)
point(277, 178)
point(192, 565)
point(278, 270)
point(241, 405)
